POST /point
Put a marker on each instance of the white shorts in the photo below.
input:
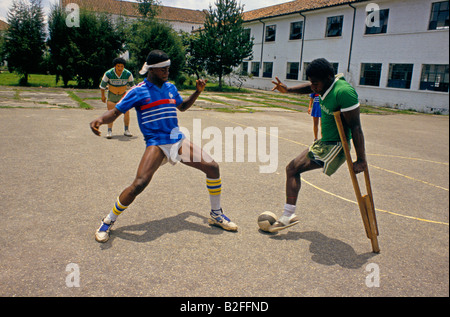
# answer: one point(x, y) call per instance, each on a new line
point(171, 152)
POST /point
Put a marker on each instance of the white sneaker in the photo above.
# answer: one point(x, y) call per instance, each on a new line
point(109, 135)
point(220, 220)
point(102, 233)
point(127, 133)
point(284, 222)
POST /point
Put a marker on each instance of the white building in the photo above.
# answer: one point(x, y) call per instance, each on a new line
point(402, 63)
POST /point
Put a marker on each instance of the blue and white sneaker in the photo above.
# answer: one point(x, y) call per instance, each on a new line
point(220, 220)
point(102, 233)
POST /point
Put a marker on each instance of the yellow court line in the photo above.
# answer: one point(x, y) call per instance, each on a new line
point(377, 209)
point(409, 177)
point(385, 155)
point(380, 168)
point(409, 158)
point(354, 202)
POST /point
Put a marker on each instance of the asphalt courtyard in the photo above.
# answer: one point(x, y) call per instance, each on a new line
point(58, 180)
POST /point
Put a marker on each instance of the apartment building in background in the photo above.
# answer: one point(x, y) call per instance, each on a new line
point(394, 52)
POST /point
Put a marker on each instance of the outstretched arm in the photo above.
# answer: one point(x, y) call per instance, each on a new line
point(188, 102)
point(300, 89)
point(108, 117)
point(352, 120)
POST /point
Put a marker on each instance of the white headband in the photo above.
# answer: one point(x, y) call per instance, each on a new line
point(146, 67)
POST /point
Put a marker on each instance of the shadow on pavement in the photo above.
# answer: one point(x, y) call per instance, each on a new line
point(328, 251)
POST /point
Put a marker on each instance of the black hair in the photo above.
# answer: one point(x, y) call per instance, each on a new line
point(320, 69)
point(119, 60)
point(156, 56)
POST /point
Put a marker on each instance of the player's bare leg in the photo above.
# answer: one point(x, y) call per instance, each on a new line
point(294, 169)
point(194, 156)
point(110, 105)
point(126, 123)
point(150, 162)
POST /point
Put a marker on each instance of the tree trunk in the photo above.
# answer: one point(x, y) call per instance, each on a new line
point(220, 82)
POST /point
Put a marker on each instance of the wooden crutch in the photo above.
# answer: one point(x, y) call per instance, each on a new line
point(365, 203)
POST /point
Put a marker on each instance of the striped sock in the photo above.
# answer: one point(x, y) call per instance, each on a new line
point(117, 210)
point(215, 189)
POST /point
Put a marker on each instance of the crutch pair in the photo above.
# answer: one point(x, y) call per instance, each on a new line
point(365, 203)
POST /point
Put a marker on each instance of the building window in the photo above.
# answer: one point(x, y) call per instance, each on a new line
point(400, 75)
point(244, 69)
point(305, 65)
point(271, 31)
point(370, 74)
point(439, 16)
point(296, 30)
point(255, 69)
point(267, 69)
point(246, 34)
point(382, 23)
point(292, 70)
point(434, 77)
point(334, 26)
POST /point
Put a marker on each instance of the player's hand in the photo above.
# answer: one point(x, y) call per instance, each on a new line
point(95, 125)
point(104, 99)
point(309, 110)
point(201, 84)
point(279, 86)
point(359, 166)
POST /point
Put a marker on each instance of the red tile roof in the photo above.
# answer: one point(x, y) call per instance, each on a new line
point(293, 7)
point(128, 8)
point(3, 25)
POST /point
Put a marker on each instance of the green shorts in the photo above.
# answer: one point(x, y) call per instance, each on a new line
point(329, 155)
point(114, 98)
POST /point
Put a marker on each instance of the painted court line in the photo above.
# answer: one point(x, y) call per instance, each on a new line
point(354, 202)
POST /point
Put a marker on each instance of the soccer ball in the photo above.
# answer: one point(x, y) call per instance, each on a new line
point(266, 219)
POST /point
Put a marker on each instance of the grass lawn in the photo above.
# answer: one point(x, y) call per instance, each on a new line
point(34, 80)
point(212, 93)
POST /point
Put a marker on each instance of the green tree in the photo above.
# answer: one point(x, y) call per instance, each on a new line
point(61, 46)
point(194, 64)
point(97, 42)
point(149, 9)
point(24, 42)
point(147, 35)
point(223, 43)
point(86, 51)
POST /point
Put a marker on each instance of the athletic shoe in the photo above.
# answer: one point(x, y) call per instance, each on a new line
point(284, 222)
point(109, 135)
point(102, 233)
point(127, 133)
point(220, 220)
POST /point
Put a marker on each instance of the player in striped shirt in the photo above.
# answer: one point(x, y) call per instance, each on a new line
point(156, 102)
point(117, 80)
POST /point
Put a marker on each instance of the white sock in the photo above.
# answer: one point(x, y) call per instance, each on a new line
point(214, 187)
point(289, 210)
point(288, 213)
point(111, 217)
point(116, 211)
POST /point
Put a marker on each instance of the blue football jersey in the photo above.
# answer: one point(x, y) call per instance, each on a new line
point(156, 110)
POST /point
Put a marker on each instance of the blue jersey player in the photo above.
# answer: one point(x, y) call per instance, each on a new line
point(156, 102)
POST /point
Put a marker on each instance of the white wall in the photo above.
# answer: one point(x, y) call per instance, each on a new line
point(407, 40)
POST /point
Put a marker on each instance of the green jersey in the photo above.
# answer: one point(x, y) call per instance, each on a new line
point(111, 78)
point(340, 96)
